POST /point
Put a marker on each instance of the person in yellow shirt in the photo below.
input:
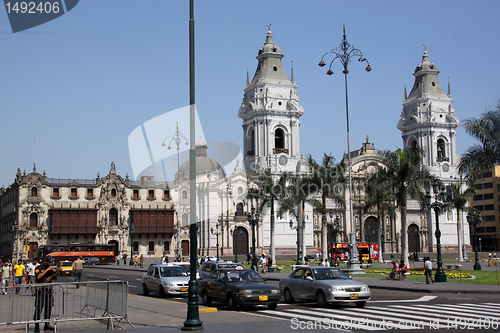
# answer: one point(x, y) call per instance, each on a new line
point(135, 262)
point(19, 272)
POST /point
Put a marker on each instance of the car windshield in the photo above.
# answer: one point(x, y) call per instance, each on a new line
point(329, 273)
point(66, 264)
point(172, 271)
point(243, 276)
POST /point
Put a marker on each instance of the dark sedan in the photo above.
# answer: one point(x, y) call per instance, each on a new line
point(238, 286)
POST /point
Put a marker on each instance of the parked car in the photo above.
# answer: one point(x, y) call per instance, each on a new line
point(238, 286)
point(187, 267)
point(165, 280)
point(64, 268)
point(309, 257)
point(324, 285)
point(91, 261)
point(209, 266)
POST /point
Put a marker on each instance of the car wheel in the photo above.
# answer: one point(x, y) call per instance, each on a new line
point(205, 299)
point(288, 296)
point(231, 304)
point(162, 292)
point(272, 306)
point(145, 290)
point(321, 299)
point(360, 304)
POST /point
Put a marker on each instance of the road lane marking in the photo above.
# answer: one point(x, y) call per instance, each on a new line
point(310, 318)
point(425, 298)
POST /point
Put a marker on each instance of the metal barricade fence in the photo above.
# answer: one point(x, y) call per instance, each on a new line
point(64, 302)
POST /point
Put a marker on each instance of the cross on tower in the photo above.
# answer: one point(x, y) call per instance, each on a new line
point(268, 27)
point(425, 47)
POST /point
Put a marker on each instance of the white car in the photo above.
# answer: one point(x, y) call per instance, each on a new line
point(166, 280)
point(186, 266)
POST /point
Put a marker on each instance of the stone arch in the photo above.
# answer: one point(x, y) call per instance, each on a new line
point(240, 241)
point(413, 238)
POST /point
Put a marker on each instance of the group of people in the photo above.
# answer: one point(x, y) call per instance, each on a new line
point(398, 269)
point(264, 262)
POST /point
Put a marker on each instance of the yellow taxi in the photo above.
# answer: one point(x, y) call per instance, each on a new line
point(64, 268)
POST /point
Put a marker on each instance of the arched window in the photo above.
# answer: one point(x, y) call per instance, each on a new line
point(239, 209)
point(251, 151)
point(279, 139)
point(113, 192)
point(113, 217)
point(135, 246)
point(34, 191)
point(151, 246)
point(184, 194)
point(184, 220)
point(441, 153)
point(413, 145)
point(33, 220)
point(166, 246)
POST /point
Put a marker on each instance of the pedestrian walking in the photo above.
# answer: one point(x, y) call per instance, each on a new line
point(78, 270)
point(125, 259)
point(18, 274)
point(30, 271)
point(255, 262)
point(118, 258)
point(44, 273)
point(428, 270)
point(6, 273)
point(135, 262)
point(263, 262)
point(141, 261)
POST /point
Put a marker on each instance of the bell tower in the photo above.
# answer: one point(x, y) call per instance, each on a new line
point(428, 120)
point(270, 112)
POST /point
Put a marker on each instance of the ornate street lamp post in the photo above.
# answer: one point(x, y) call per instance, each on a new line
point(217, 233)
point(437, 206)
point(368, 234)
point(131, 230)
point(474, 220)
point(235, 232)
point(298, 228)
point(344, 52)
point(335, 225)
point(253, 219)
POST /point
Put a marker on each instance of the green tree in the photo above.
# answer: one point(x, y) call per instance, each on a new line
point(457, 199)
point(483, 156)
point(379, 195)
point(329, 180)
point(407, 180)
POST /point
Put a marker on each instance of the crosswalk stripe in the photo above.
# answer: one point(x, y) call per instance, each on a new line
point(308, 318)
point(369, 325)
point(421, 299)
point(414, 324)
point(457, 311)
point(484, 306)
point(467, 309)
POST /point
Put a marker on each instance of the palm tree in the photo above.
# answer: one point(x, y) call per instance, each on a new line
point(327, 177)
point(379, 195)
point(407, 180)
point(482, 157)
point(272, 191)
point(457, 199)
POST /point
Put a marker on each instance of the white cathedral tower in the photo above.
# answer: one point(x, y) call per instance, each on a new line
point(270, 113)
point(428, 120)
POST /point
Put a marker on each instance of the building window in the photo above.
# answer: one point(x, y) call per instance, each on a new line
point(184, 194)
point(34, 191)
point(135, 246)
point(113, 216)
point(489, 218)
point(166, 194)
point(55, 192)
point(151, 246)
point(441, 156)
point(33, 220)
point(113, 192)
point(279, 139)
point(73, 193)
point(488, 174)
point(166, 246)
point(184, 220)
point(239, 209)
point(90, 193)
point(135, 194)
point(151, 194)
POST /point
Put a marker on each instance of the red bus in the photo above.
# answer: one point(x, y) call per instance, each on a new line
point(343, 250)
point(104, 252)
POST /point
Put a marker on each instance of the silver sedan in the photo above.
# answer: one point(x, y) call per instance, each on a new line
point(324, 285)
point(165, 280)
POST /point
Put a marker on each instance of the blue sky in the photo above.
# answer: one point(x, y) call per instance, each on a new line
point(82, 83)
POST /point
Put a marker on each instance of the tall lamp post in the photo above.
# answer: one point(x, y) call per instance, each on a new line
point(368, 234)
point(253, 219)
point(177, 138)
point(298, 228)
point(437, 206)
point(235, 232)
point(335, 225)
point(344, 52)
point(217, 233)
point(474, 219)
point(131, 231)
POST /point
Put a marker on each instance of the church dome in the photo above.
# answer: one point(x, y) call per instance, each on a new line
point(426, 65)
point(204, 164)
point(269, 46)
